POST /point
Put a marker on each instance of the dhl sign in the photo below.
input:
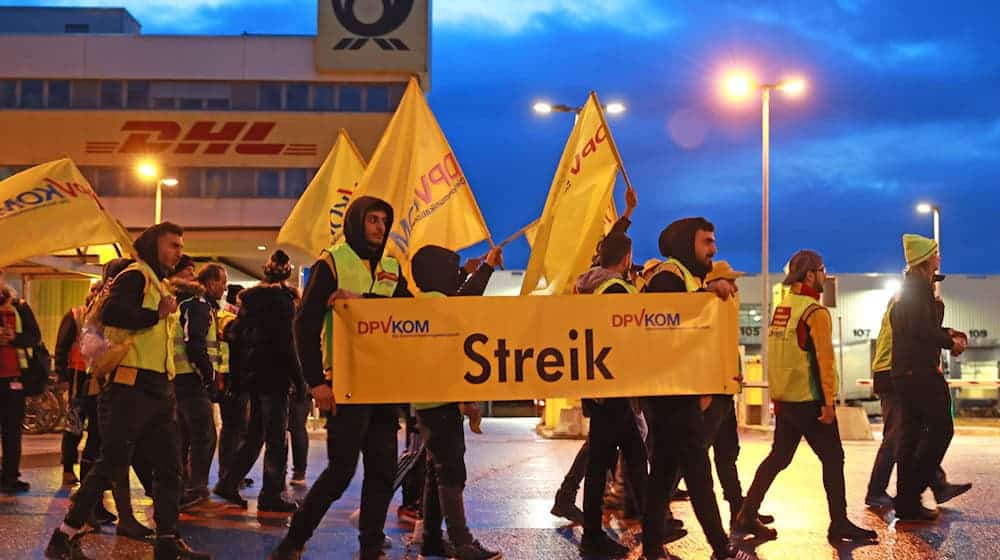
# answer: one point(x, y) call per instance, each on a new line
point(227, 138)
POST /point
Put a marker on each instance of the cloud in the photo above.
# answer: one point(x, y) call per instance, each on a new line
point(516, 16)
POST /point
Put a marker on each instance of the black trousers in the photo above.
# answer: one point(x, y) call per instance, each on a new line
point(724, 439)
point(267, 427)
point(298, 415)
point(357, 429)
point(413, 482)
point(444, 440)
point(11, 426)
point(197, 433)
point(612, 428)
point(885, 459)
point(235, 413)
point(927, 429)
point(130, 417)
point(793, 421)
point(678, 429)
point(576, 473)
point(86, 408)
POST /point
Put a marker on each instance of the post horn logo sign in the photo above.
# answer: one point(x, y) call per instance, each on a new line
point(394, 15)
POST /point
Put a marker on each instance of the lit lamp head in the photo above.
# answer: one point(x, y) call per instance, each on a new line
point(793, 87)
point(148, 170)
point(615, 108)
point(925, 208)
point(737, 85)
point(169, 182)
point(542, 108)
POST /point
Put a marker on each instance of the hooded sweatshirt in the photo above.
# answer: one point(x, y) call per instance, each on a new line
point(589, 281)
point(323, 283)
point(435, 269)
point(677, 241)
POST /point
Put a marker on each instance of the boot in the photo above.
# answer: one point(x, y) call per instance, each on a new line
point(949, 491)
point(130, 528)
point(747, 522)
point(230, 495)
point(847, 531)
point(174, 548)
point(565, 507)
point(62, 547)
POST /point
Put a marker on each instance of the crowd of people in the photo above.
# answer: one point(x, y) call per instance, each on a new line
point(179, 338)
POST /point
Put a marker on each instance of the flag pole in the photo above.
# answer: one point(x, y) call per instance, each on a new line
point(517, 234)
point(611, 140)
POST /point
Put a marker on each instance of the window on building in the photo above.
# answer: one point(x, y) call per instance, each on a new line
point(138, 94)
point(77, 28)
point(268, 183)
point(164, 103)
point(109, 181)
point(58, 94)
point(296, 181)
point(378, 99)
point(188, 104)
point(323, 99)
point(297, 97)
point(8, 93)
point(111, 94)
point(188, 182)
point(85, 94)
point(31, 94)
point(244, 96)
point(395, 95)
point(216, 182)
point(350, 99)
point(241, 183)
point(270, 97)
point(217, 104)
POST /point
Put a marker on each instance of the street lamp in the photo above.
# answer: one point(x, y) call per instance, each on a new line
point(149, 170)
point(545, 108)
point(739, 85)
point(928, 208)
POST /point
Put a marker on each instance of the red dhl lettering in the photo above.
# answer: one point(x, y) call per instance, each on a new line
point(205, 137)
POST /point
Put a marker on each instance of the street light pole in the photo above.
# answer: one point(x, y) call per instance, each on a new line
point(765, 286)
point(158, 212)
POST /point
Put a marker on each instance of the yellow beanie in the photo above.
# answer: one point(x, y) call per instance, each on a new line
point(918, 248)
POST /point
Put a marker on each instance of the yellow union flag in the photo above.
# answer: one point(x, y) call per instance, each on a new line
point(51, 207)
point(416, 172)
point(578, 207)
point(318, 217)
point(496, 348)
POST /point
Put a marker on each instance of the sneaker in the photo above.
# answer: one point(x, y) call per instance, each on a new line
point(231, 496)
point(881, 501)
point(476, 551)
point(277, 505)
point(298, 479)
point(14, 486)
point(951, 491)
point(408, 515)
point(600, 544)
point(751, 525)
point(436, 549)
point(568, 511)
point(847, 531)
point(62, 547)
point(922, 515)
point(174, 548)
point(70, 479)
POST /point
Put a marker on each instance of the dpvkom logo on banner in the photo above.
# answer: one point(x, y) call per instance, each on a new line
point(647, 320)
point(52, 192)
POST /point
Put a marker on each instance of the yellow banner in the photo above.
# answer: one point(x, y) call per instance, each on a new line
point(416, 172)
point(513, 348)
point(578, 206)
point(52, 207)
point(318, 216)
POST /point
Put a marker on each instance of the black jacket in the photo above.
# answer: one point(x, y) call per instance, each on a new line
point(435, 269)
point(917, 334)
point(30, 335)
point(323, 283)
point(265, 325)
point(196, 312)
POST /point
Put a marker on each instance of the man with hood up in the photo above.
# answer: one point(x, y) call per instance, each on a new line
point(137, 406)
point(271, 371)
point(676, 424)
point(437, 274)
point(356, 267)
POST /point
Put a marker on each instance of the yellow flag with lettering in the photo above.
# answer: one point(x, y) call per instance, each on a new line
point(578, 206)
point(51, 207)
point(416, 172)
point(317, 220)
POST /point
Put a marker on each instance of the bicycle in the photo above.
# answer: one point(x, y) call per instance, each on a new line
point(46, 412)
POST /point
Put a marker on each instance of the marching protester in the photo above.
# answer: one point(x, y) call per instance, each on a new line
point(720, 415)
point(18, 333)
point(271, 370)
point(138, 404)
point(917, 340)
point(802, 380)
point(676, 424)
point(885, 458)
point(437, 274)
point(234, 401)
point(356, 267)
point(197, 358)
point(612, 422)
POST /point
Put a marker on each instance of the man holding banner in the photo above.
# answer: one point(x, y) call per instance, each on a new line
point(354, 268)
